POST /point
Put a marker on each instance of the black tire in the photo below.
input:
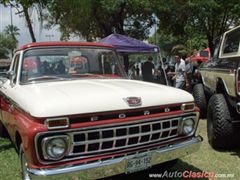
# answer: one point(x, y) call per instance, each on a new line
point(200, 99)
point(3, 131)
point(220, 130)
point(25, 174)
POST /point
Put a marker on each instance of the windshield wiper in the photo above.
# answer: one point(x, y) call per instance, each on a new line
point(87, 75)
point(45, 78)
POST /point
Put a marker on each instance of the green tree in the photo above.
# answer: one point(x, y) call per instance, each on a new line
point(12, 31)
point(190, 18)
point(23, 7)
point(99, 18)
point(7, 43)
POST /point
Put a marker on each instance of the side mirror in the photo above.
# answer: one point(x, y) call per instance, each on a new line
point(11, 75)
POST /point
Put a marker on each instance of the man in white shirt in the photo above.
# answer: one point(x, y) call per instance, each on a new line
point(180, 75)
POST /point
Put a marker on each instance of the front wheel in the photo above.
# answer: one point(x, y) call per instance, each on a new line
point(220, 130)
point(200, 99)
point(25, 174)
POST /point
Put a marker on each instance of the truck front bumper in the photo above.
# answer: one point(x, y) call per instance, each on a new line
point(118, 165)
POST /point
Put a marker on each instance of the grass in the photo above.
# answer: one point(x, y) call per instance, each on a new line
point(210, 160)
point(206, 159)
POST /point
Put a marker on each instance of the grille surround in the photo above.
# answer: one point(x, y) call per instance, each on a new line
point(70, 132)
point(144, 129)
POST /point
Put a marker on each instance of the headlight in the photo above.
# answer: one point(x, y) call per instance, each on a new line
point(187, 126)
point(55, 148)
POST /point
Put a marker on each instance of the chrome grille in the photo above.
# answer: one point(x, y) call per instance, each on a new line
point(91, 142)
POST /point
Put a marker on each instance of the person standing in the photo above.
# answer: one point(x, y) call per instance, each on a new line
point(180, 75)
point(137, 70)
point(147, 70)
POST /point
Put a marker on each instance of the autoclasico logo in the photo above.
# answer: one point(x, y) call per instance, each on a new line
point(190, 174)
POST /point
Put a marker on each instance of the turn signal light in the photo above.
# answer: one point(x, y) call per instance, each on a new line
point(57, 123)
point(188, 107)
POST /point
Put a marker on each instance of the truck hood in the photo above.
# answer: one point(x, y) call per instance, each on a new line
point(63, 98)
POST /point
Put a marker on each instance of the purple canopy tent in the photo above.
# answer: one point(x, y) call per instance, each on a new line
point(125, 44)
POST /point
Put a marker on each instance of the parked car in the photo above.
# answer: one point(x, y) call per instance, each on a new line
point(70, 110)
point(218, 94)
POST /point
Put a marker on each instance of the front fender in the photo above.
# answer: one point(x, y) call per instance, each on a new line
point(27, 127)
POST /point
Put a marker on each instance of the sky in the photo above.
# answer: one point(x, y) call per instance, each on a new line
point(24, 37)
point(41, 35)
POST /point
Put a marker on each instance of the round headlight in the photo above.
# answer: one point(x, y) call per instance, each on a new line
point(56, 148)
point(188, 126)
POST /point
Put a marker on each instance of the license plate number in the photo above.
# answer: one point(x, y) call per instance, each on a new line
point(138, 163)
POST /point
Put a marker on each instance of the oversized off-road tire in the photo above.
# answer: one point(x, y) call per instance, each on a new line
point(200, 99)
point(220, 130)
point(25, 174)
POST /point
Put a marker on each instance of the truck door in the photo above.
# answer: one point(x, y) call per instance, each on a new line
point(7, 106)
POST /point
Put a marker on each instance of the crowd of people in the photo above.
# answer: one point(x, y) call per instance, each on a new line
point(182, 75)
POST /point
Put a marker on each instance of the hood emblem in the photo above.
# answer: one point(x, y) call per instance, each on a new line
point(167, 110)
point(133, 101)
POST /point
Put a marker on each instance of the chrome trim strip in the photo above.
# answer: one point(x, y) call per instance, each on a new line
point(109, 126)
point(95, 170)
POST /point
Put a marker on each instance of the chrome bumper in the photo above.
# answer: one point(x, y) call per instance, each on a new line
point(116, 166)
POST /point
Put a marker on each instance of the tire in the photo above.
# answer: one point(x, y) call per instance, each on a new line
point(3, 131)
point(220, 130)
point(200, 100)
point(25, 174)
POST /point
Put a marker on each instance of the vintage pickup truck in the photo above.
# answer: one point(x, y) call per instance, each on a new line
point(70, 110)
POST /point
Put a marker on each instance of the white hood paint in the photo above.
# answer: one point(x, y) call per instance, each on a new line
point(92, 95)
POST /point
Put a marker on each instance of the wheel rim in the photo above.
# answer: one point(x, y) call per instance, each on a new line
point(24, 164)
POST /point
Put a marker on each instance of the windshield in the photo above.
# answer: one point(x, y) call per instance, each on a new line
point(69, 63)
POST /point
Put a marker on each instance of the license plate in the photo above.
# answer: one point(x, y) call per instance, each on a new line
point(138, 163)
